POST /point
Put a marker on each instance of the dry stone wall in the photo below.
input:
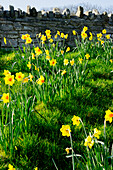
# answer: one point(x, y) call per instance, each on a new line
point(14, 23)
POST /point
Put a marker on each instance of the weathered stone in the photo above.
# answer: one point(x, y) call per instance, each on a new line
point(7, 27)
point(24, 14)
point(56, 10)
point(88, 13)
point(79, 12)
point(1, 14)
point(105, 16)
point(92, 16)
point(11, 9)
point(44, 14)
point(19, 12)
point(7, 14)
point(16, 14)
point(95, 11)
point(1, 8)
point(28, 9)
point(39, 14)
point(33, 12)
point(50, 14)
point(66, 13)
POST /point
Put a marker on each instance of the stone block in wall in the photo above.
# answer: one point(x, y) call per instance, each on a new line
point(50, 14)
point(28, 9)
point(33, 12)
point(95, 11)
point(16, 14)
point(88, 13)
point(12, 12)
point(7, 14)
point(110, 17)
point(92, 16)
point(17, 26)
point(28, 28)
point(66, 13)
point(19, 12)
point(1, 14)
point(5, 27)
point(105, 16)
point(79, 12)
point(57, 12)
point(44, 14)
point(39, 14)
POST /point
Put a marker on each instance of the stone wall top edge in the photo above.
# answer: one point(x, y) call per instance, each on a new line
point(55, 13)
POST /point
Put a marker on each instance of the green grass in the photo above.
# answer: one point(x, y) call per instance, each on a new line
point(43, 140)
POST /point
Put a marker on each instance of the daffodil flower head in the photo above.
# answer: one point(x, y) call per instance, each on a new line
point(76, 120)
point(65, 130)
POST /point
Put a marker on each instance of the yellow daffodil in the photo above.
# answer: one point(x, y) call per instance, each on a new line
point(19, 76)
point(67, 150)
point(111, 60)
point(99, 35)
point(25, 80)
point(33, 56)
point(41, 80)
point(24, 37)
point(104, 31)
point(10, 167)
point(47, 52)
point(91, 36)
point(74, 32)
point(87, 56)
point(48, 57)
point(66, 62)
point(102, 42)
point(66, 36)
point(63, 72)
point(52, 62)
point(28, 40)
point(83, 35)
point(48, 36)
point(108, 36)
point(80, 60)
point(5, 40)
point(76, 120)
point(72, 62)
point(31, 76)
point(85, 29)
point(56, 36)
point(38, 51)
point(6, 72)
point(68, 49)
point(62, 52)
point(5, 97)
point(29, 65)
point(43, 38)
point(108, 116)
point(58, 32)
point(36, 68)
point(89, 142)
point(9, 79)
point(36, 168)
point(47, 32)
point(51, 40)
point(65, 130)
point(97, 133)
point(62, 35)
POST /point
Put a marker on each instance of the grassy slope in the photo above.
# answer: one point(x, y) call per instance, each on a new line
point(44, 140)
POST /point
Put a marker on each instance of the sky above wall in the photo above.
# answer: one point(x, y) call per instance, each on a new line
point(39, 4)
